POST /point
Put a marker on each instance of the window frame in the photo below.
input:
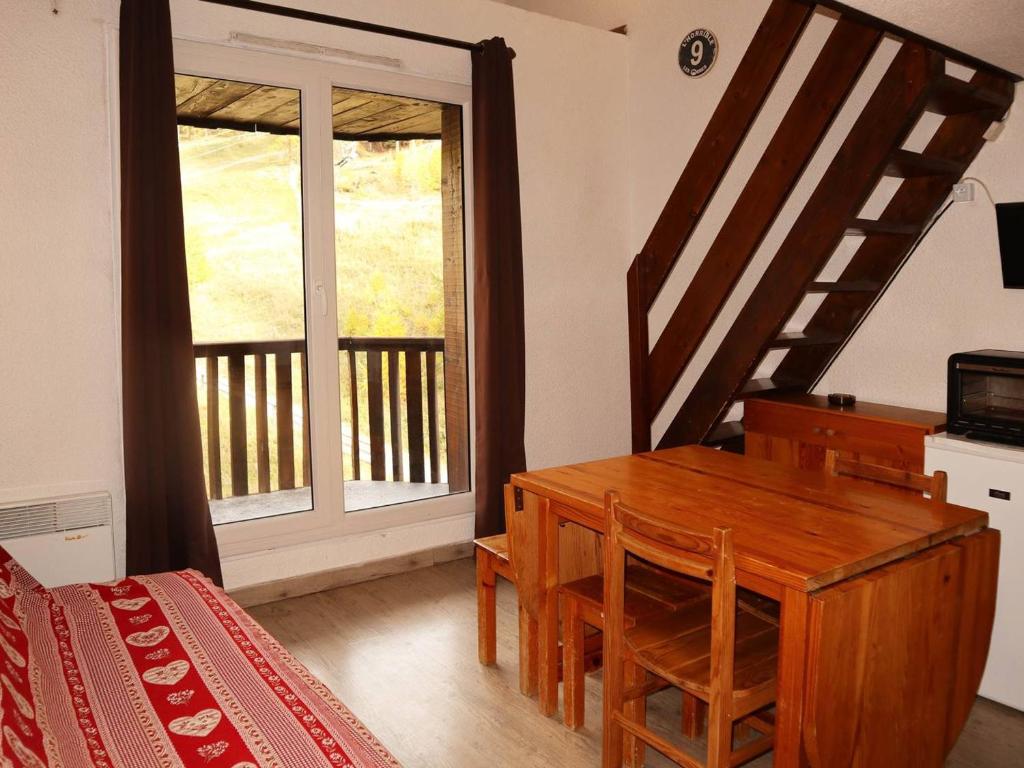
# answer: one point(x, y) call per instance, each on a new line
point(315, 78)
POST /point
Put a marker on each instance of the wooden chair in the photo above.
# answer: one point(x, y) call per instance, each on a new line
point(933, 485)
point(723, 656)
point(492, 560)
point(648, 592)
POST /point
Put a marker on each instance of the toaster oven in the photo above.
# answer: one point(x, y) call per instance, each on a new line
point(985, 398)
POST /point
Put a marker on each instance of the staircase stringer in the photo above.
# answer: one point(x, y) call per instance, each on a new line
point(758, 70)
point(815, 106)
point(889, 241)
point(889, 116)
point(969, 108)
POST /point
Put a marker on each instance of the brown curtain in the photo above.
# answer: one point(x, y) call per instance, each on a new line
point(498, 284)
point(168, 515)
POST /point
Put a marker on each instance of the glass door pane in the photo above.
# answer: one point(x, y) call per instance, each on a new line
point(401, 297)
point(241, 174)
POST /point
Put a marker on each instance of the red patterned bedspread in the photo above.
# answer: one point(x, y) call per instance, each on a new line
point(158, 671)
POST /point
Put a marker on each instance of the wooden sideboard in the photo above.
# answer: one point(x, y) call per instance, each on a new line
point(798, 429)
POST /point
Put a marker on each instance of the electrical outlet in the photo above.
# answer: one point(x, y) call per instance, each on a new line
point(963, 192)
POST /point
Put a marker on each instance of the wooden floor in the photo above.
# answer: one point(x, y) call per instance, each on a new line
point(401, 653)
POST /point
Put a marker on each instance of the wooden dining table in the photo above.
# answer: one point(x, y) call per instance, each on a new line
point(886, 599)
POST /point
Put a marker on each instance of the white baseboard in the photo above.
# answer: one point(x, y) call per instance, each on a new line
point(353, 574)
point(289, 571)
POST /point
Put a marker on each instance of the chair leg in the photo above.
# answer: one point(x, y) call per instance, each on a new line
point(486, 614)
point(636, 711)
point(573, 690)
point(719, 736)
point(694, 711)
point(612, 739)
point(529, 653)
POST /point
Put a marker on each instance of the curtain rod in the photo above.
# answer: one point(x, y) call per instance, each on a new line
point(338, 21)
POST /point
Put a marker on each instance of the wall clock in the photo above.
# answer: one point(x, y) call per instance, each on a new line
point(697, 52)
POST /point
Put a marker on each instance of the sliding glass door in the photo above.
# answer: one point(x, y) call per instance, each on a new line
point(401, 296)
point(325, 239)
point(242, 193)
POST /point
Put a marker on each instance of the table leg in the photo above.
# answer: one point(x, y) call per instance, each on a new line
point(573, 653)
point(524, 548)
point(528, 654)
point(789, 706)
point(547, 620)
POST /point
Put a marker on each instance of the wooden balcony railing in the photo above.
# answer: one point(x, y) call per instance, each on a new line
point(418, 355)
point(414, 445)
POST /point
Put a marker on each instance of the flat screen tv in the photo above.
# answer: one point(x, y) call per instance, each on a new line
point(1010, 220)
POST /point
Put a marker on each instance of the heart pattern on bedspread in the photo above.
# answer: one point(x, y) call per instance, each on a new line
point(168, 675)
point(28, 758)
point(153, 636)
point(12, 654)
point(133, 604)
point(19, 701)
point(199, 724)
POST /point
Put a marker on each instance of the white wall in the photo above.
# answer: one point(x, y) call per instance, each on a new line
point(59, 409)
point(950, 296)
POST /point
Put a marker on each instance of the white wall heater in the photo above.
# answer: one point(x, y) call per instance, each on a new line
point(62, 540)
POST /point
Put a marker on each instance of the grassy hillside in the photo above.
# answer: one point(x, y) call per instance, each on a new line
point(243, 217)
point(244, 236)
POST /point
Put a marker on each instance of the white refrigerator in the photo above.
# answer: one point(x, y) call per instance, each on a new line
point(990, 477)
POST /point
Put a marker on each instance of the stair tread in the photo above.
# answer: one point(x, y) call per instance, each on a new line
point(953, 96)
point(801, 339)
point(904, 164)
point(768, 386)
point(845, 286)
point(881, 227)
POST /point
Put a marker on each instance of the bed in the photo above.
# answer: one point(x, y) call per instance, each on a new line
point(158, 671)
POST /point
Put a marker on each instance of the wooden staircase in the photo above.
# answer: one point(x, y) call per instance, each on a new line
point(915, 82)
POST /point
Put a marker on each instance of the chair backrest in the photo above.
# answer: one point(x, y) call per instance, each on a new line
point(934, 485)
point(710, 558)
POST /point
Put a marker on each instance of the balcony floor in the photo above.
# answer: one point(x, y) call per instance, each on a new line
point(359, 494)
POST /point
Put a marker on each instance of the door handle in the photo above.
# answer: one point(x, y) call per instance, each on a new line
point(321, 297)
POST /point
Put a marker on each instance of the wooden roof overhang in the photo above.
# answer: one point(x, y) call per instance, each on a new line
point(357, 115)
